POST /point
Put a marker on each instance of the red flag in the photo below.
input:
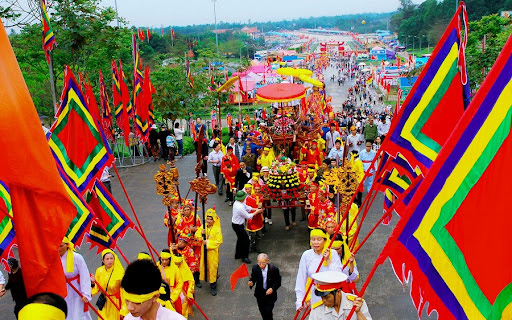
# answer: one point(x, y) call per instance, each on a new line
point(162, 31)
point(149, 34)
point(243, 93)
point(91, 99)
point(264, 114)
point(142, 36)
point(43, 210)
point(241, 272)
point(172, 33)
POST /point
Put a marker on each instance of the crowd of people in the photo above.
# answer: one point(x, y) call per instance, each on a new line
point(242, 171)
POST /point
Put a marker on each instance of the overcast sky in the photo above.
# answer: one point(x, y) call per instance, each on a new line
point(155, 13)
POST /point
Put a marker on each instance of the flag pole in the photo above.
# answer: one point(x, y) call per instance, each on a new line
point(50, 68)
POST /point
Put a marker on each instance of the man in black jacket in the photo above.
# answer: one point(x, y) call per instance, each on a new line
point(243, 175)
point(267, 279)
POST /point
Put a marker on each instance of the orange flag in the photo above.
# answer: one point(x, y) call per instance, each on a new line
point(241, 272)
point(42, 210)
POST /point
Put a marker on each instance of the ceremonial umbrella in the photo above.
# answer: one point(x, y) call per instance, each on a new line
point(281, 92)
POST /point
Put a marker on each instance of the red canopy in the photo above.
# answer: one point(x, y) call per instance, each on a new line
point(281, 92)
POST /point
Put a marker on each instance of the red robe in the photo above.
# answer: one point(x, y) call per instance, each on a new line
point(229, 174)
point(321, 212)
point(313, 199)
point(312, 157)
point(256, 223)
point(189, 257)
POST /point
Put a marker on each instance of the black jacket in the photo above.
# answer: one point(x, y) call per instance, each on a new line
point(241, 179)
point(273, 281)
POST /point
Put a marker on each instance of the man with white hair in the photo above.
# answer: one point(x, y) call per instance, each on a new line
point(267, 279)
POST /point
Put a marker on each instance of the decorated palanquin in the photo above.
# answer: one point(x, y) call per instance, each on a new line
point(283, 183)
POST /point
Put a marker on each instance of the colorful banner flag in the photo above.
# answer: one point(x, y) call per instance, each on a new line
point(91, 99)
point(77, 141)
point(172, 34)
point(125, 94)
point(110, 215)
point(145, 100)
point(213, 118)
point(436, 101)
point(149, 34)
point(81, 223)
point(106, 112)
point(455, 227)
point(190, 79)
point(149, 97)
point(139, 103)
point(243, 93)
point(43, 210)
point(48, 36)
point(120, 110)
point(7, 235)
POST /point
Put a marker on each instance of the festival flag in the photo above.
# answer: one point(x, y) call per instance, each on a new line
point(121, 116)
point(48, 36)
point(141, 34)
point(139, 103)
point(243, 93)
point(398, 102)
point(111, 218)
point(144, 101)
point(240, 272)
point(91, 99)
point(106, 112)
point(190, 80)
point(149, 34)
point(42, 209)
point(210, 73)
point(389, 199)
point(125, 94)
point(172, 33)
point(455, 228)
point(81, 223)
point(7, 235)
point(150, 91)
point(264, 114)
point(213, 118)
point(162, 31)
point(433, 107)
point(77, 141)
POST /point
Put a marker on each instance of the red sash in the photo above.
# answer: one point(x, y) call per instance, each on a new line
point(77, 277)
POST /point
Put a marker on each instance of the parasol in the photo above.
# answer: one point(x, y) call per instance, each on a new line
point(294, 72)
point(281, 92)
point(315, 82)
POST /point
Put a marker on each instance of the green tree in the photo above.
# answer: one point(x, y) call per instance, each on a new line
point(496, 31)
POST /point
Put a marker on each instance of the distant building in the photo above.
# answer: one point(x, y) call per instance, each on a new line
point(250, 31)
point(219, 31)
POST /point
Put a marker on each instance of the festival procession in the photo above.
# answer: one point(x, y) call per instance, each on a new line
point(255, 171)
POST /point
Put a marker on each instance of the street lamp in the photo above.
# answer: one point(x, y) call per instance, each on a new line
point(423, 36)
point(406, 42)
point(216, 33)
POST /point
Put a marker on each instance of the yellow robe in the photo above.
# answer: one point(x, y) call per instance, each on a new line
point(188, 295)
point(172, 276)
point(214, 240)
point(352, 216)
point(102, 275)
point(266, 161)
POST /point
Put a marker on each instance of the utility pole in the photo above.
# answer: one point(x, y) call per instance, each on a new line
point(216, 32)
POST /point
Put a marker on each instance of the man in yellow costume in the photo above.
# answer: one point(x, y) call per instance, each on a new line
point(212, 241)
point(266, 158)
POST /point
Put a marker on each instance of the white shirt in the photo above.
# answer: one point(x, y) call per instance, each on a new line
point(307, 267)
point(241, 213)
point(75, 305)
point(264, 273)
point(215, 156)
point(326, 313)
point(178, 133)
point(354, 140)
point(161, 314)
point(383, 128)
point(104, 175)
point(330, 138)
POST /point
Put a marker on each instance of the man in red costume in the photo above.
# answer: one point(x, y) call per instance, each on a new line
point(311, 154)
